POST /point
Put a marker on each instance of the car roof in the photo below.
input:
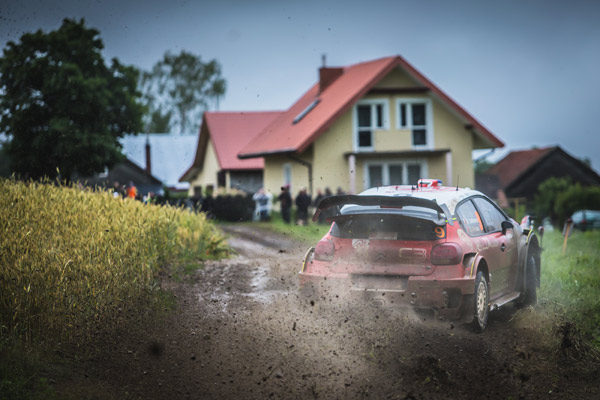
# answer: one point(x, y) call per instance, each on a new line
point(448, 195)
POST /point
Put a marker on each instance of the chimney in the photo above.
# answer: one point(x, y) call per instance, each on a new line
point(327, 75)
point(148, 157)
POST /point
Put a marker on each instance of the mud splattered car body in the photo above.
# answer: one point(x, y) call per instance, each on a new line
point(434, 247)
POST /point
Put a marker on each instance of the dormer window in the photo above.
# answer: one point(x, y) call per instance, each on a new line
point(370, 115)
point(416, 115)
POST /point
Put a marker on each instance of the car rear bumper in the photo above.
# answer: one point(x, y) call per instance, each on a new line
point(451, 298)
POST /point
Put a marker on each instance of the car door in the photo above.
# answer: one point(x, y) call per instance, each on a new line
point(505, 245)
point(482, 243)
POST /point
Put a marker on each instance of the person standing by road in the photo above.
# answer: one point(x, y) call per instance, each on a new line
point(302, 203)
point(132, 191)
point(285, 201)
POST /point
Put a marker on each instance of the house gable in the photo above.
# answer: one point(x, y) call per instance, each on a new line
point(228, 132)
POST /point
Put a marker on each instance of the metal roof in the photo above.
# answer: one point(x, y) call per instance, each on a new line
point(170, 154)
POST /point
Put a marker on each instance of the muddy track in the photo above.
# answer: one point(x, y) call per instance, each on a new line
point(242, 331)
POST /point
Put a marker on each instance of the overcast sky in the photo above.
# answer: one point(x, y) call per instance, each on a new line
point(528, 70)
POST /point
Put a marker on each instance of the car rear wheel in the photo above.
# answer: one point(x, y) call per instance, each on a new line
point(481, 299)
point(529, 294)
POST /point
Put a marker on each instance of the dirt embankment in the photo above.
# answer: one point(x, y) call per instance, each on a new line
point(242, 331)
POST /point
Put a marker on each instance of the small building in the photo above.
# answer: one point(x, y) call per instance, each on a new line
point(519, 174)
point(124, 172)
point(222, 136)
point(380, 122)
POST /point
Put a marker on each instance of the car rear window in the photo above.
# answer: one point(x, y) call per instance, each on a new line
point(386, 227)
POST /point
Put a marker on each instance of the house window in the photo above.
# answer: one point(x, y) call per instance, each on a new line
point(394, 173)
point(416, 115)
point(370, 115)
point(287, 174)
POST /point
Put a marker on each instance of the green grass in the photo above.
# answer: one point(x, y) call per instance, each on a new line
point(570, 283)
point(309, 234)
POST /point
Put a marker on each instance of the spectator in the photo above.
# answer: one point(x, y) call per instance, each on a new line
point(118, 190)
point(302, 203)
point(285, 201)
point(263, 201)
point(320, 196)
point(132, 191)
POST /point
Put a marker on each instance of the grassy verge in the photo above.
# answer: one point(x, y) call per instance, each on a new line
point(309, 234)
point(76, 262)
point(571, 281)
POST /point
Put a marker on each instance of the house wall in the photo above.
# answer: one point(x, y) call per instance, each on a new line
point(330, 167)
point(208, 173)
point(274, 173)
point(450, 133)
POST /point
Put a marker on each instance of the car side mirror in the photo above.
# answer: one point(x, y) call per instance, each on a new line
point(506, 225)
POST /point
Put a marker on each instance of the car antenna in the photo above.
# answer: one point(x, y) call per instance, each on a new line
point(457, 178)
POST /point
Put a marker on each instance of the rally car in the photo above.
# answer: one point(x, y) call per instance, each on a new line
point(447, 249)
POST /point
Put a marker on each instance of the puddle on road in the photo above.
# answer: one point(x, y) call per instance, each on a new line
point(259, 284)
point(243, 276)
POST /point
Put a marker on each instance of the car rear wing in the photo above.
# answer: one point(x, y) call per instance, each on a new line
point(443, 214)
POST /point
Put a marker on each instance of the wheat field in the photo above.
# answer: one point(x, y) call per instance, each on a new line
point(72, 259)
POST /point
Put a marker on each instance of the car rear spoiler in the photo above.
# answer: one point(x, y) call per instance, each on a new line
point(382, 201)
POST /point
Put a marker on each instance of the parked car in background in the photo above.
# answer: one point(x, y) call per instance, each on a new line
point(586, 219)
point(427, 246)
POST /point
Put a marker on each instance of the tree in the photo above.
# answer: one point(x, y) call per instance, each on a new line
point(548, 191)
point(62, 108)
point(183, 84)
point(158, 122)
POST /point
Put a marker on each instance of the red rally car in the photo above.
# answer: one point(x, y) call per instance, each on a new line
point(428, 246)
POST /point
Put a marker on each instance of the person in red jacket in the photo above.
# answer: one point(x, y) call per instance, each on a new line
point(132, 191)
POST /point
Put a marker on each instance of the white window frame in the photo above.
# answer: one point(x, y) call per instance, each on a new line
point(409, 101)
point(386, 121)
point(287, 174)
point(385, 164)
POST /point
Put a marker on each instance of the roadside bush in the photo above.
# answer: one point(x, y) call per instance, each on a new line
point(576, 198)
point(548, 192)
point(559, 198)
point(233, 208)
point(73, 260)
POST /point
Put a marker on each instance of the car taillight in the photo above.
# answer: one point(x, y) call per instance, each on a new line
point(324, 250)
point(446, 254)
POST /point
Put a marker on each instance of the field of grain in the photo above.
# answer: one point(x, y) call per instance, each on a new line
point(72, 260)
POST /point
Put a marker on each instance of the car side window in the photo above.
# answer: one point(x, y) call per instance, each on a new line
point(470, 219)
point(490, 214)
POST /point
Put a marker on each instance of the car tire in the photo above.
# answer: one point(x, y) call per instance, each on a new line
point(529, 293)
point(481, 300)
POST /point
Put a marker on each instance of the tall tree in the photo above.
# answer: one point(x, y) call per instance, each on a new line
point(61, 106)
point(184, 84)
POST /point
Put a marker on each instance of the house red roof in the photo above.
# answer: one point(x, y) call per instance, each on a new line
point(285, 136)
point(229, 133)
point(515, 163)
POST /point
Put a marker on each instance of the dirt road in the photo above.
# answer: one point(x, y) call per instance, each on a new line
point(242, 331)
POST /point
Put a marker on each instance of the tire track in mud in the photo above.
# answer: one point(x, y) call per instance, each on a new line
point(243, 331)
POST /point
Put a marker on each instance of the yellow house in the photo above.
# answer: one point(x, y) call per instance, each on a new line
point(375, 123)
point(216, 165)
